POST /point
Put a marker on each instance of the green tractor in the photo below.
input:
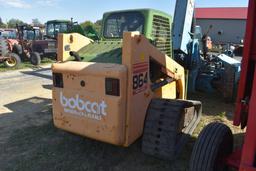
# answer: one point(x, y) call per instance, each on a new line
point(53, 27)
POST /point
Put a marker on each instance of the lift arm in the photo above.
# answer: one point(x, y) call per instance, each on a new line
point(182, 24)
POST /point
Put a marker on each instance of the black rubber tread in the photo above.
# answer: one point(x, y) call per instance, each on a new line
point(161, 130)
point(4, 45)
point(3, 41)
point(4, 49)
point(16, 57)
point(35, 58)
point(214, 141)
point(17, 49)
point(3, 52)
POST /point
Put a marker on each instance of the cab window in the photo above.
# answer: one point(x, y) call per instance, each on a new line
point(117, 23)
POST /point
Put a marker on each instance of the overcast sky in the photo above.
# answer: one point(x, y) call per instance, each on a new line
point(82, 10)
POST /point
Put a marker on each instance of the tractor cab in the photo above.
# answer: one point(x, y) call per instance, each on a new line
point(117, 23)
point(153, 24)
point(29, 33)
point(33, 34)
point(54, 27)
point(8, 33)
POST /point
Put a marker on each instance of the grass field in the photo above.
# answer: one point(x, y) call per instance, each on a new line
point(35, 144)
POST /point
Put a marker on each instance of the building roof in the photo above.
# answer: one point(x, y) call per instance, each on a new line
point(235, 13)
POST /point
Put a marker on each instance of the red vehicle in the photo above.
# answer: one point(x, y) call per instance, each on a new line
point(213, 151)
point(27, 36)
point(34, 46)
point(7, 40)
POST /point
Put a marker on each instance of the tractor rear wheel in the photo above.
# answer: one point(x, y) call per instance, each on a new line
point(13, 60)
point(214, 143)
point(4, 49)
point(168, 125)
point(17, 49)
point(35, 58)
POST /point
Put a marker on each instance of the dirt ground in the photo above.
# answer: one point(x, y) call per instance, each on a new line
point(29, 141)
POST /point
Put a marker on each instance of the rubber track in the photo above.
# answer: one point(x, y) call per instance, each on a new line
point(162, 137)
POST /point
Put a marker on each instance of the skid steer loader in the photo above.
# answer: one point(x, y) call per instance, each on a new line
point(125, 86)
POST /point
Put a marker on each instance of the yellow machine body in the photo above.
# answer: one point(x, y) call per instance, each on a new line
point(81, 104)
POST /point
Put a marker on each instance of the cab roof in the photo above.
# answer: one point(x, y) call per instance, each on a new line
point(140, 10)
point(58, 21)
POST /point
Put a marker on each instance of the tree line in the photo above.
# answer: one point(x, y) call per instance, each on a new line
point(88, 26)
point(12, 23)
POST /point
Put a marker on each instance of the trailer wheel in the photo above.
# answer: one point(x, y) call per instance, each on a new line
point(214, 143)
point(12, 61)
point(35, 58)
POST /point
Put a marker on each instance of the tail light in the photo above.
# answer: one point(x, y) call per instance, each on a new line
point(57, 80)
point(112, 86)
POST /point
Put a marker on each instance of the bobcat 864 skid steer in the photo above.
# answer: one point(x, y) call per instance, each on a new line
point(126, 85)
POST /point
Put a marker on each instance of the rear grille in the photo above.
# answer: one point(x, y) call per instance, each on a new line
point(162, 34)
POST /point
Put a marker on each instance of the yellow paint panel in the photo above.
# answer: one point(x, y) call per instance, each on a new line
point(87, 110)
point(134, 45)
point(167, 92)
point(70, 42)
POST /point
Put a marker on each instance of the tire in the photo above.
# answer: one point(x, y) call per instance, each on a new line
point(3, 42)
point(4, 50)
point(17, 49)
point(35, 58)
point(13, 61)
point(214, 143)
